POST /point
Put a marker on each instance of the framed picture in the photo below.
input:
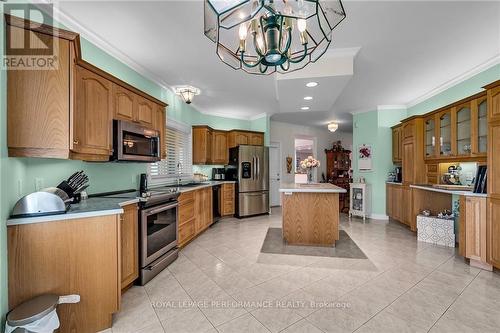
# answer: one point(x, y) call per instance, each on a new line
point(365, 157)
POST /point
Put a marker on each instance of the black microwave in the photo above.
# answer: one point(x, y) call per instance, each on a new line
point(135, 143)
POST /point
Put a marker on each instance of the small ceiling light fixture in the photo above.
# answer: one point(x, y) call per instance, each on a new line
point(332, 127)
point(187, 93)
point(311, 84)
point(305, 108)
point(308, 98)
point(265, 36)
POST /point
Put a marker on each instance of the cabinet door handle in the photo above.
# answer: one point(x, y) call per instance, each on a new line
point(76, 142)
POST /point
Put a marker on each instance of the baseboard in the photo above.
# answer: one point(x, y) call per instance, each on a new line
point(378, 217)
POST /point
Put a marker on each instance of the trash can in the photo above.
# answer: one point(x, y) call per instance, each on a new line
point(38, 315)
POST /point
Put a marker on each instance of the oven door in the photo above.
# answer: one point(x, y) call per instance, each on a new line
point(158, 231)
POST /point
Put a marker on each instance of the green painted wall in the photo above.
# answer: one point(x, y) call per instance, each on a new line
point(466, 88)
point(17, 175)
point(373, 128)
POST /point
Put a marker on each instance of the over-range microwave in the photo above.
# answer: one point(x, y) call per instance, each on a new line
point(135, 143)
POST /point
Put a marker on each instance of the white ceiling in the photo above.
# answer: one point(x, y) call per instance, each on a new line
point(406, 50)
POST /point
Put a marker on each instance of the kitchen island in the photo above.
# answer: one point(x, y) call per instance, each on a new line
point(311, 213)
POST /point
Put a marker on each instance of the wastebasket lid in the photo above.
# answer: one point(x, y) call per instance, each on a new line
point(32, 310)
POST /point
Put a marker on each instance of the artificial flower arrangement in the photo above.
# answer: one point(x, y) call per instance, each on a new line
point(309, 163)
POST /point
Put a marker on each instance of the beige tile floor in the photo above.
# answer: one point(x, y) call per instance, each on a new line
point(222, 283)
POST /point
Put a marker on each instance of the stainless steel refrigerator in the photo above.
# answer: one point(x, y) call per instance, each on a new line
point(250, 167)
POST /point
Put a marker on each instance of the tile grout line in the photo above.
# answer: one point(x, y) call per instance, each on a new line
point(432, 271)
point(455, 300)
point(180, 284)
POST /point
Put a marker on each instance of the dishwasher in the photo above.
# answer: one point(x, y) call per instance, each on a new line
point(216, 200)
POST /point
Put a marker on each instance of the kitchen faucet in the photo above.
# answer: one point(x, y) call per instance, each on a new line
point(179, 171)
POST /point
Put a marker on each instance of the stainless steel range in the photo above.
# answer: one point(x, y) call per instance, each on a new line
point(158, 216)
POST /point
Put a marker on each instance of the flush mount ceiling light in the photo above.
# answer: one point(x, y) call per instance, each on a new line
point(187, 93)
point(305, 108)
point(265, 36)
point(332, 127)
point(311, 84)
point(308, 98)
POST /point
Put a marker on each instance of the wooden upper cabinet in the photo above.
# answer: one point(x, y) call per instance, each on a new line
point(145, 111)
point(430, 135)
point(38, 118)
point(124, 103)
point(212, 146)
point(219, 147)
point(494, 102)
point(462, 126)
point(396, 144)
point(92, 115)
point(202, 145)
point(236, 138)
point(160, 125)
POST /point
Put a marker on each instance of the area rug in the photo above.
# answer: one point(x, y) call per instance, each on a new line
point(345, 247)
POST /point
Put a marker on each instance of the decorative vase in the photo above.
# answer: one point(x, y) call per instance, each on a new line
point(309, 176)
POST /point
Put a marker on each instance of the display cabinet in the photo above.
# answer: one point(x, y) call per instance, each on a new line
point(445, 133)
point(463, 130)
point(430, 137)
point(360, 200)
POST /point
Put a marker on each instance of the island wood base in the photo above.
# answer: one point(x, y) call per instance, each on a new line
point(311, 218)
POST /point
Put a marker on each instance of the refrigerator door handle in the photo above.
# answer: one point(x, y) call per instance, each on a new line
point(258, 167)
point(253, 167)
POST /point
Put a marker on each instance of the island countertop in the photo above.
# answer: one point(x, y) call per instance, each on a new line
point(311, 188)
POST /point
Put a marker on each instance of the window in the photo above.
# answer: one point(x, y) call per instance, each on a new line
point(179, 153)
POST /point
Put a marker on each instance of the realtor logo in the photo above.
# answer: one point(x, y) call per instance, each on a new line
point(30, 45)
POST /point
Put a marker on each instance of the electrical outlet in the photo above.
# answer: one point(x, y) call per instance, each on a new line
point(39, 184)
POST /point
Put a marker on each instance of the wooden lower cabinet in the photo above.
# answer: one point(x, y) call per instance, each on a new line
point(474, 216)
point(203, 209)
point(129, 245)
point(66, 257)
point(493, 232)
point(195, 214)
point(406, 208)
point(394, 202)
point(227, 202)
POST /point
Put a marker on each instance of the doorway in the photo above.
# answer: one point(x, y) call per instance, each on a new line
point(275, 173)
point(304, 147)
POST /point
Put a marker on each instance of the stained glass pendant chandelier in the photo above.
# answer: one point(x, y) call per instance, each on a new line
point(265, 36)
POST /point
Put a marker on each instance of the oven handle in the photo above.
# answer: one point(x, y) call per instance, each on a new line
point(160, 209)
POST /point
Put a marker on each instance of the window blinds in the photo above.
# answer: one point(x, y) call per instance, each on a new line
point(179, 154)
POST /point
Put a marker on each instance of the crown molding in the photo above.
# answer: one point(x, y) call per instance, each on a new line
point(457, 80)
point(68, 21)
point(258, 116)
point(391, 107)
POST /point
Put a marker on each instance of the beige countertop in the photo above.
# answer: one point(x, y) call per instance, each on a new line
point(394, 183)
point(456, 192)
point(311, 188)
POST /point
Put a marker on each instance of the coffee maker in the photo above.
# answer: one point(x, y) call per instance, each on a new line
point(218, 174)
point(398, 174)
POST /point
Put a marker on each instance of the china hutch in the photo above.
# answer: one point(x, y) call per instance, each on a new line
point(338, 166)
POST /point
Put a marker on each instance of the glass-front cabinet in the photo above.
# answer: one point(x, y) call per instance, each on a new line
point(458, 131)
point(430, 137)
point(445, 133)
point(481, 110)
point(463, 129)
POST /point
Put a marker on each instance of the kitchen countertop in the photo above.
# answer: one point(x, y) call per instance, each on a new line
point(394, 183)
point(101, 206)
point(441, 190)
point(311, 188)
point(91, 207)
